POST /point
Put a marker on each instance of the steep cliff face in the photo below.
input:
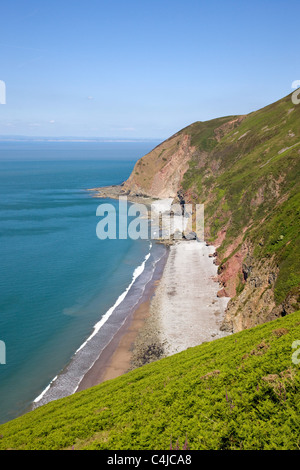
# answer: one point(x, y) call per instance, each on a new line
point(250, 284)
point(159, 173)
point(245, 169)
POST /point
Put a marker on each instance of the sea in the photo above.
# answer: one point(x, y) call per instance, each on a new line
point(64, 293)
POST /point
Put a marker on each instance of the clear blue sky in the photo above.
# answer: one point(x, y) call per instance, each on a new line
point(137, 68)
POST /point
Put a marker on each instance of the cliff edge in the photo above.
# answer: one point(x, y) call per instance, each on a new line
point(245, 170)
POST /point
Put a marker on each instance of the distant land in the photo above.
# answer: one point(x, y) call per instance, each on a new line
point(23, 138)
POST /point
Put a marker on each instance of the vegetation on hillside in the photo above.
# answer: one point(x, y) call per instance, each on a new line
point(247, 173)
point(238, 392)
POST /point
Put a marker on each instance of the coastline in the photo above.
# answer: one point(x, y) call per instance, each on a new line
point(67, 381)
point(171, 307)
point(171, 316)
point(116, 191)
point(116, 357)
point(103, 340)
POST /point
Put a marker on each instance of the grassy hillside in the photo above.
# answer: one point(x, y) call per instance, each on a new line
point(246, 172)
point(250, 184)
point(238, 392)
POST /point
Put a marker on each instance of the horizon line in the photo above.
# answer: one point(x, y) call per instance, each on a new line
point(22, 138)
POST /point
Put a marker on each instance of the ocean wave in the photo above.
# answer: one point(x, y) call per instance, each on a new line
point(136, 274)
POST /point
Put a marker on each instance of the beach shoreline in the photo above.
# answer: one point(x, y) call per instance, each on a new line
point(172, 315)
point(178, 307)
point(116, 357)
point(105, 330)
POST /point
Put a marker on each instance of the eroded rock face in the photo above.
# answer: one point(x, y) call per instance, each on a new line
point(159, 173)
point(231, 272)
point(250, 284)
point(227, 127)
point(256, 296)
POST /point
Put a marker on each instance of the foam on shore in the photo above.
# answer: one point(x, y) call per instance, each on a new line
point(67, 382)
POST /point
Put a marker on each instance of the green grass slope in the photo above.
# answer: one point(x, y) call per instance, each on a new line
point(238, 392)
point(247, 173)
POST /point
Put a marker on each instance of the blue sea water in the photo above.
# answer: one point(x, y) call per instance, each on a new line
point(57, 279)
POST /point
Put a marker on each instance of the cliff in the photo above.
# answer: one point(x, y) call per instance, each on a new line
point(245, 170)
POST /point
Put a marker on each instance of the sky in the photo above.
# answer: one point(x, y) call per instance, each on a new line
point(139, 68)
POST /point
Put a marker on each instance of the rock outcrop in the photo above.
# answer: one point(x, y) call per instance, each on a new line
point(159, 174)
